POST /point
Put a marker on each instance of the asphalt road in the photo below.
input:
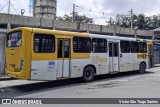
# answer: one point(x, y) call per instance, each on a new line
point(124, 85)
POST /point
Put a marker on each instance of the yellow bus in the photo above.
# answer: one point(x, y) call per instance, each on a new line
point(41, 54)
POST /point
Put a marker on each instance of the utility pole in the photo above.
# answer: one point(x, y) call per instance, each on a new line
point(74, 7)
point(131, 18)
point(9, 6)
point(110, 21)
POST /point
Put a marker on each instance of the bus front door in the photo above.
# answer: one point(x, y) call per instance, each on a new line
point(63, 62)
point(113, 57)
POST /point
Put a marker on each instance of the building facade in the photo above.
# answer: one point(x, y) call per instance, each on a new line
point(45, 9)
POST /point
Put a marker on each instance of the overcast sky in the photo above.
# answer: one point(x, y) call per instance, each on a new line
point(110, 7)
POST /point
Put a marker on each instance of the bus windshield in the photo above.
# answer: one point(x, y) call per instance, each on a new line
point(14, 39)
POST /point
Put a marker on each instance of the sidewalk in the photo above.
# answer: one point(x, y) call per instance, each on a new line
point(3, 77)
point(157, 65)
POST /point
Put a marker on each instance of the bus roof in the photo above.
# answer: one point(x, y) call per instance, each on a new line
point(50, 31)
point(69, 33)
point(119, 38)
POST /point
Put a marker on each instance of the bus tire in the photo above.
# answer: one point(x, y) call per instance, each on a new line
point(88, 74)
point(142, 68)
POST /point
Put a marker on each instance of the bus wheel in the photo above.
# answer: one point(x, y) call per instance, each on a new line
point(88, 74)
point(142, 68)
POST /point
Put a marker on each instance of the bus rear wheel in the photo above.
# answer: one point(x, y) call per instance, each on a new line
point(88, 74)
point(142, 68)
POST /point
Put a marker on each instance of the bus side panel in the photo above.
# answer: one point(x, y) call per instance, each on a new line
point(44, 70)
point(43, 65)
point(128, 62)
point(99, 61)
point(134, 62)
point(77, 67)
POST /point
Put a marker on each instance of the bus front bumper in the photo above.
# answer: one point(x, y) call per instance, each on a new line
point(17, 75)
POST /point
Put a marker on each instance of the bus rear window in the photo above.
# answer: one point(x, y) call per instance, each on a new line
point(14, 39)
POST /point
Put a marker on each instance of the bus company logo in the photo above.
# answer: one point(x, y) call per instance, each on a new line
point(51, 64)
point(6, 101)
point(99, 59)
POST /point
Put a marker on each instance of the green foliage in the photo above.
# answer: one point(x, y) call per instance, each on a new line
point(77, 18)
point(140, 21)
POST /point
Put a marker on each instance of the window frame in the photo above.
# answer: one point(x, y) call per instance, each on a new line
point(54, 43)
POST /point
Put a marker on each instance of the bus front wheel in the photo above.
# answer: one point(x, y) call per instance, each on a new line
point(142, 68)
point(88, 74)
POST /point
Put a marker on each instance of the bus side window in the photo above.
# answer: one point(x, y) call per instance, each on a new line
point(95, 45)
point(134, 47)
point(125, 46)
point(99, 45)
point(75, 44)
point(44, 43)
point(81, 45)
point(143, 47)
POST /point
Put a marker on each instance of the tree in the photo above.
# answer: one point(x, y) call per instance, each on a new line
point(139, 21)
point(123, 21)
point(67, 17)
point(77, 18)
point(82, 19)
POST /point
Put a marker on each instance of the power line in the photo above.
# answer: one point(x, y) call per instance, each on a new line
point(3, 2)
point(3, 7)
point(14, 9)
point(9, 7)
point(77, 7)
